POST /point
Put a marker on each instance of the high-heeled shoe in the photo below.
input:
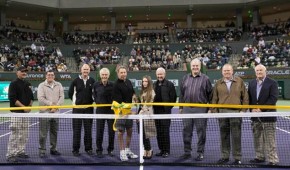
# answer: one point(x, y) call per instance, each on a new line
point(145, 154)
point(149, 154)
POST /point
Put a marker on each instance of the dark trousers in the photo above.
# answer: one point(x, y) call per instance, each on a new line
point(163, 136)
point(77, 128)
point(100, 134)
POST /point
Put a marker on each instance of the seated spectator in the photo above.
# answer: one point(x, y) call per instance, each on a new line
point(135, 68)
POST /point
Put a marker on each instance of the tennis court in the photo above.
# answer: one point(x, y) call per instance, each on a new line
point(84, 162)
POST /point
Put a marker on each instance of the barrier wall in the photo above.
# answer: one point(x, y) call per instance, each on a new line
point(282, 76)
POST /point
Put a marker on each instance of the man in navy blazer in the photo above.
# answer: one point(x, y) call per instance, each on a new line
point(263, 91)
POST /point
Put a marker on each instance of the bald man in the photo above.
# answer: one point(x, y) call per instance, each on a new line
point(81, 93)
point(264, 91)
point(165, 92)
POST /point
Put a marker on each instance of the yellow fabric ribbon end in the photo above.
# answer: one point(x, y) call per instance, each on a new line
point(120, 110)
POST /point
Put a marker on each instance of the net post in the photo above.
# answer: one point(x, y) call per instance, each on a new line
point(141, 150)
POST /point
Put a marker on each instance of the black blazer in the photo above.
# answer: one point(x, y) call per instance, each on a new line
point(168, 94)
point(268, 96)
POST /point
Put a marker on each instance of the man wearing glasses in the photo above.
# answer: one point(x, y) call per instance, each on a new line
point(50, 93)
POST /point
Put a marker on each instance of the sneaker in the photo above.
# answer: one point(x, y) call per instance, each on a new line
point(199, 157)
point(22, 155)
point(236, 162)
point(55, 152)
point(12, 159)
point(123, 156)
point(130, 154)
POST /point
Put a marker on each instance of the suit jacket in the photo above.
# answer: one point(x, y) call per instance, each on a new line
point(268, 96)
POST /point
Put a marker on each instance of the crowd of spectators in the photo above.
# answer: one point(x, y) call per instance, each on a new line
point(271, 54)
point(147, 38)
point(273, 29)
point(96, 57)
point(11, 23)
point(151, 57)
point(17, 35)
point(34, 58)
point(208, 35)
point(228, 24)
point(103, 37)
point(213, 56)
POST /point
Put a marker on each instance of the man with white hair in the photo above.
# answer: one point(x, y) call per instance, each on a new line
point(263, 91)
point(165, 92)
point(103, 93)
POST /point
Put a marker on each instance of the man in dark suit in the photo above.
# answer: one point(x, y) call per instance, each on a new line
point(263, 91)
point(165, 92)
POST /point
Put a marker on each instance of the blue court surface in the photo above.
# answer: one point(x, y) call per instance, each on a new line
point(212, 152)
point(83, 167)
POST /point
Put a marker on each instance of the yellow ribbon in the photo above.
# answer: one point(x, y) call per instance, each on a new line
point(120, 110)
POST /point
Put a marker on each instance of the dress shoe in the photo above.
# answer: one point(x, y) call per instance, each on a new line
point(272, 163)
point(149, 154)
point(185, 156)
point(222, 161)
point(100, 154)
point(42, 155)
point(236, 162)
point(159, 154)
point(12, 159)
point(55, 152)
point(145, 154)
point(22, 155)
point(256, 160)
point(90, 152)
point(76, 153)
point(199, 157)
point(111, 154)
point(165, 155)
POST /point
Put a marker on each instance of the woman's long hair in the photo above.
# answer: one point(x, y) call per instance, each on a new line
point(147, 90)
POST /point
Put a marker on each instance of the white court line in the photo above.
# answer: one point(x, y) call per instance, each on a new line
point(141, 167)
point(5, 122)
point(285, 117)
point(283, 130)
point(10, 132)
point(29, 126)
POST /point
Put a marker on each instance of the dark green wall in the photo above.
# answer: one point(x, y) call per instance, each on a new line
point(282, 76)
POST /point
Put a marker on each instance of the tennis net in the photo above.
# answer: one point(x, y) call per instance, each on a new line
point(210, 154)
